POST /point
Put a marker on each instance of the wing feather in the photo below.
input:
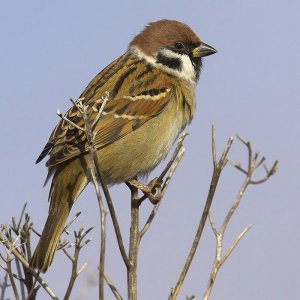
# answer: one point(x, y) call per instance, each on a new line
point(138, 93)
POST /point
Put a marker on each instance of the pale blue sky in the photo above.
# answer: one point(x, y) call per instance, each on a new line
point(49, 52)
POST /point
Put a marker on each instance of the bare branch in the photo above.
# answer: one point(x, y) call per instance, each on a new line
point(234, 244)
point(112, 287)
point(24, 262)
point(68, 255)
point(213, 145)
point(112, 214)
point(212, 224)
point(71, 222)
point(238, 166)
point(33, 290)
point(218, 167)
point(253, 164)
point(79, 242)
point(105, 98)
point(69, 121)
point(81, 269)
point(21, 217)
point(260, 162)
point(176, 158)
point(78, 104)
point(4, 286)
point(11, 275)
point(133, 245)
point(268, 175)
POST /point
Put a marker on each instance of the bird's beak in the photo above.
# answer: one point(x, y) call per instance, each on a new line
point(203, 50)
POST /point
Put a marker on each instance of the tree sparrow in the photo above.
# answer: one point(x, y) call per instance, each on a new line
point(152, 99)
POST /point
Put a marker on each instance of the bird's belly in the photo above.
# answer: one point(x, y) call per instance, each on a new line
point(139, 152)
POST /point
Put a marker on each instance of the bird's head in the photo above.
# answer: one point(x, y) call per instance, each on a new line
point(173, 47)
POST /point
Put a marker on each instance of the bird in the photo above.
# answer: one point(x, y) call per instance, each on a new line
point(151, 100)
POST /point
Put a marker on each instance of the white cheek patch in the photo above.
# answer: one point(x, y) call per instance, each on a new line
point(142, 55)
point(187, 71)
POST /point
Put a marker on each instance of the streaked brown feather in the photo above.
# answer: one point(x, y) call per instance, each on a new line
point(133, 101)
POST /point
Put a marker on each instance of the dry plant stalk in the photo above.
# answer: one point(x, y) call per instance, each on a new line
point(218, 167)
point(16, 240)
point(88, 129)
point(161, 184)
point(112, 287)
point(253, 164)
point(78, 245)
point(3, 286)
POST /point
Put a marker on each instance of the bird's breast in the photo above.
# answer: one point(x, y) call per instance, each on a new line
point(139, 152)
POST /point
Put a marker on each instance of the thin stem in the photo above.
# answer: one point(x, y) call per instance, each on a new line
point(172, 170)
point(235, 204)
point(251, 168)
point(71, 222)
point(105, 98)
point(213, 146)
point(33, 291)
point(73, 273)
point(234, 244)
point(69, 121)
point(103, 214)
point(133, 245)
point(212, 224)
point(112, 287)
point(11, 277)
point(21, 217)
point(24, 262)
point(219, 260)
point(79, 244)
point(253, 164)
point(4, 286)
point(175, 154)
point(218, 167)
point(112, 214)
point(171, 167)
point(22, 288)
point(102, 253)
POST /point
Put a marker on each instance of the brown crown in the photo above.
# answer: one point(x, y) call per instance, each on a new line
point(163, 33)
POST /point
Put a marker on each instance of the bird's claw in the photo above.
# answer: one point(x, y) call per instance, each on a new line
point(152, 190)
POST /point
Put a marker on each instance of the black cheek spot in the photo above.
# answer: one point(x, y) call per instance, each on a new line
point(170, 62)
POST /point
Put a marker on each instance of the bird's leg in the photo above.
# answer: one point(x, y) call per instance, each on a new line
point(152, 190)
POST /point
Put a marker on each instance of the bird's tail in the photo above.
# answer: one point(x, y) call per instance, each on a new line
point(68, 182)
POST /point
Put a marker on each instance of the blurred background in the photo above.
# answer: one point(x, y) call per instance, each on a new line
point(51, 50)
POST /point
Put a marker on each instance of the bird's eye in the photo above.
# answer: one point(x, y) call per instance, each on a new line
point(178, 46)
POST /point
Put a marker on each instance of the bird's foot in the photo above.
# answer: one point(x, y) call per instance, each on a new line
point(152, 190)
